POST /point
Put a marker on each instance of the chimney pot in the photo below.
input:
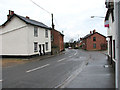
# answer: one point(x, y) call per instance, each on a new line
point(10, 14)
point(94, 31)
point(80, 38)
point(27, 17)
point(90, 32)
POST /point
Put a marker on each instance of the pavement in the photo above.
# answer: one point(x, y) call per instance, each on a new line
point(9, 62)
point(94, 75)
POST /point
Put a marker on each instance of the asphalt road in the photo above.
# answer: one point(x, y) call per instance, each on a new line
point(48, 73)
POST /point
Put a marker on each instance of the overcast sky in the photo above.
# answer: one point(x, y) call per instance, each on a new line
point(70, 16)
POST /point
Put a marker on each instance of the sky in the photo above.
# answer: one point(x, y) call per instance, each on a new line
point(73, 17)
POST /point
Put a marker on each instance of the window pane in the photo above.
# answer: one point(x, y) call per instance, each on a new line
point(35, 47)
point(94, 38)
point(35, 31)
point(46, 33)
point(46, 46)
point(94, 45)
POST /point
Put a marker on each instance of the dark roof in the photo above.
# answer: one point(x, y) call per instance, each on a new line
point(28, 21)
point(88, 35)
point(59, 32)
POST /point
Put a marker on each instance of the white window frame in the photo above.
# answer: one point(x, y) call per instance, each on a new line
point(46, 45)
point(35, 31)
point(35, 46)
point(46, 33)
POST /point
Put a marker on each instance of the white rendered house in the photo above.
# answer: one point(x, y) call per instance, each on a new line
point(22, 36)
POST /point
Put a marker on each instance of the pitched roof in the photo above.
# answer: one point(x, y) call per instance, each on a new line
point(28, 21)
point(88, 35)
point(59, 32)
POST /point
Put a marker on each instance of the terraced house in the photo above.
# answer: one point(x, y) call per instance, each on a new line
point(22, 36)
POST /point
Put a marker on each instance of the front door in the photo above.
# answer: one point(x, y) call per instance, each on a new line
point(40, 51)
point(43, 49)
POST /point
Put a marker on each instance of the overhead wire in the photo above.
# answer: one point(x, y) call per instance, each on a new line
point(45, 11)
point(40, 7)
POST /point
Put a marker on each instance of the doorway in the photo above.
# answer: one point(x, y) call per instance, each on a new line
point(40, 51)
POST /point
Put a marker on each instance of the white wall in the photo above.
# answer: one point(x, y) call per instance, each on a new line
point(14, 37)
point(111, 29)
point(112, 32)
point(17, 38)
point(40, 39)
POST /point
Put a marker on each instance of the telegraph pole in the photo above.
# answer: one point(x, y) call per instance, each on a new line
point(52, 27)
point(117, 29)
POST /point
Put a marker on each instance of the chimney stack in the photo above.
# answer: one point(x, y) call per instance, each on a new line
point(27, 17)
point(81, 39)
point(94, 31)
point(10, 14)
point(90, 32)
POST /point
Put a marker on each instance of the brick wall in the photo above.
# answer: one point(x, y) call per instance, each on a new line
point(58, 40)
point(99, 40)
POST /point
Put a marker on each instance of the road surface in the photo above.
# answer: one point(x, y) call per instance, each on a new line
point(48, 73)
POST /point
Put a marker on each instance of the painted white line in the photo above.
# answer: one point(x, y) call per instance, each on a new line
point(70, 56)
point(1, 80)
point(71, 77)
point(61, 60)
point(75, 54)
point(37, 68)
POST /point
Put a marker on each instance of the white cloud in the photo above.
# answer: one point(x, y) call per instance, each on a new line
point(72, 16)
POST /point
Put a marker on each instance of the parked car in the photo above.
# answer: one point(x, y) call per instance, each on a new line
point(69, 47)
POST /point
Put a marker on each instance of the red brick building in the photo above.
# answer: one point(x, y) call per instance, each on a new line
point(94, 41)
point(58, 40)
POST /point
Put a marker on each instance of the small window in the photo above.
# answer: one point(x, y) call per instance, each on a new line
point(94, 45)
point(46, 33)
point(46, 46)
point(94, 38)
point(35, 46)
point(36, 31)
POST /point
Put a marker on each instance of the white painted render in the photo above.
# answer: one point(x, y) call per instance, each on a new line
point(17, 38)
point(40, 39)
point(111, 32)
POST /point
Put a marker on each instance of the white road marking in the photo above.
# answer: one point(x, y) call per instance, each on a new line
point(37, 68)
point(70, 56)
point(61, 60)
point(75, 54)
point(71, 77)
point(1, 80)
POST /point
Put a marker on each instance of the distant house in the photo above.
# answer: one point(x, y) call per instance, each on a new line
point(94, 41)
point(22, 36)
point(78, 43)
point(58, 40)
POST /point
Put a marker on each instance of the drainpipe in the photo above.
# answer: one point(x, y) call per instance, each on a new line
point(117, 29)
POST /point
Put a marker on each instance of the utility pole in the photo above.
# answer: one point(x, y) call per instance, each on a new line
point(52, 28)
point(117, 29)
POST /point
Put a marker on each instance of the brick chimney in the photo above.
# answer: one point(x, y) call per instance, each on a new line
point(81, 39)
point(27, 17)
point(90, 32)
point(94, 31)
point(10, 14)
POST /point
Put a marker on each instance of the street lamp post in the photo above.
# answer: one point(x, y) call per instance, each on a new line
point(97, 17)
